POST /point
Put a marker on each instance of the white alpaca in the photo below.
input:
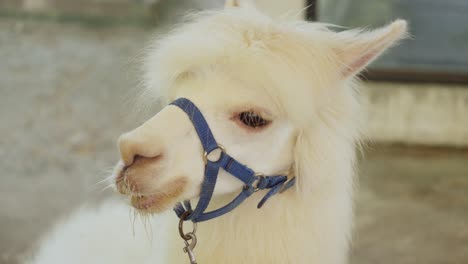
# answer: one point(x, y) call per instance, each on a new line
point(298, 78)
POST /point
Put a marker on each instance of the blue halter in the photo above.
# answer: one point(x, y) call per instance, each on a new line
point(253, 181)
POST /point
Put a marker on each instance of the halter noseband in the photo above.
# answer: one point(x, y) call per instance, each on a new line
point(253, 181)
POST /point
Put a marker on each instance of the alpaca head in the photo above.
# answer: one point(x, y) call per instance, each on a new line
point(262, 86)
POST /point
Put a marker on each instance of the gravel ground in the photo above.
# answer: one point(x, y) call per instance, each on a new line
point(64, 99)
point(63, 103)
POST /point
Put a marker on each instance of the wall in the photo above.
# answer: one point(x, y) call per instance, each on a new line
point(418, 113)
point(121, 7)
point(430, 114)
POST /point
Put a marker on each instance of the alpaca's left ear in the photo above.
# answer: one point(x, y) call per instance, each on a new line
point(357, 49)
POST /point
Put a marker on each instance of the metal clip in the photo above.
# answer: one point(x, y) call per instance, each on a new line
point(190, 236)
point(190, 246)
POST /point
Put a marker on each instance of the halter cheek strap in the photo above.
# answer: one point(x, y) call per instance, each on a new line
point(253, 181)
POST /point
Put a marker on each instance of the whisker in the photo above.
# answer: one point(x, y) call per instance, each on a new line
point(108, 178)
point(130, 211)
point(135, 214)
point(107, 187)
point(144, 221)
point(151, 229)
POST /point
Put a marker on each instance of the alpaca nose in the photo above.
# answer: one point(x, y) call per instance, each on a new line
point(133, 147)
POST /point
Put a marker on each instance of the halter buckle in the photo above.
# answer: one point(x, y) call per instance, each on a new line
point(255, 184)
point(208, 156)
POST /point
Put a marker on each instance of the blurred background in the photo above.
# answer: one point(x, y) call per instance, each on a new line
point(69, 68)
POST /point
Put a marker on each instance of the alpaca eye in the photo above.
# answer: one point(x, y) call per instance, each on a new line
point(252, 119)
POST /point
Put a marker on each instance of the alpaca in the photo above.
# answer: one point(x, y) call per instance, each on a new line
point(281, 97)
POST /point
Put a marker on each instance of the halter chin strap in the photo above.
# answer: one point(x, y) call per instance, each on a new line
point(253, 181)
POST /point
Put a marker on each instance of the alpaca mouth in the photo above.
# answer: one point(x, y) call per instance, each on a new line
point(156, 201)
point(161, 200)
point(160, 197)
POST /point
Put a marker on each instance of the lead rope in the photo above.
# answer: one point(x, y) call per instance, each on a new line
point(190, 239)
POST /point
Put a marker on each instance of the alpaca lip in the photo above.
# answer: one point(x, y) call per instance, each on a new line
point(153, 203)
point(144, 202)
point(161, 199)
point(126, 185)
point(120, 183)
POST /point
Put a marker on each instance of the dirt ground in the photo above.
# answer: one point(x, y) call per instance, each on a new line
point(65, 96)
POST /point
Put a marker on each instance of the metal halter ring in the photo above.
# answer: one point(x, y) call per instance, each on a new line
point(189, 235)
point(257, 181)
point(220, 148)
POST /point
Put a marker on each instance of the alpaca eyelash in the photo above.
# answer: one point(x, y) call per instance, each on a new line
point(252, 120)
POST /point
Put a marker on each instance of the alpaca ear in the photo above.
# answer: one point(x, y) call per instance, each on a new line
point(238, 3)
point(357, 49)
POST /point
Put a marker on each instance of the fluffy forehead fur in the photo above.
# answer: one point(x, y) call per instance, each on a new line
point(294, 63)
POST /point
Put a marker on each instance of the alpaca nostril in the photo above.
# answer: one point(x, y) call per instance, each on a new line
point(137, 157)
point(142, 160)
point(135, 146)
